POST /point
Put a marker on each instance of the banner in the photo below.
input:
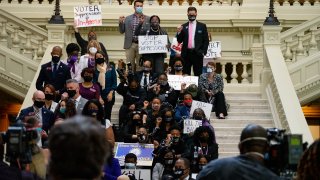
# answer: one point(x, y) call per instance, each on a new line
point(175, 46)
point(89, 15)
point(206, 107)
point(140, 174)
point(153, 44)
point(175, 81)
point(214, 50)
point(190, 125)
point(142, 151)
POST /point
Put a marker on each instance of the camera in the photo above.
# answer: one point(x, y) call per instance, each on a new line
point(121, 72)
point(20, 142)
point(284, 153)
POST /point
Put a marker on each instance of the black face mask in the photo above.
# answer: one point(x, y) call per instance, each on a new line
point(168, 161)
point(55, 59)
point(168, 119)
point(71, 93)
point(49, 97)
point(198, 117)
point(175, 139)
point(87, 78)
point(155, 25)
point(99, 60)
point(203, 139)
point(146, 70)
point(192, 17)
point(178, 68)
point(38, 104)
point(133, 89)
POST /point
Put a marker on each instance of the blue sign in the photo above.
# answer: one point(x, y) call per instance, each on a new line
point(142, 151)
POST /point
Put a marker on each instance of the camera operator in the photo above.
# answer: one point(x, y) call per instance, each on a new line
point(248, 165)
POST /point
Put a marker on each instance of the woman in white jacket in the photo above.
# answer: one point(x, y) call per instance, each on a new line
point(88, 60)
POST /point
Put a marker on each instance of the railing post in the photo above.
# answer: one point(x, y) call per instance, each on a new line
point(257, 62)
point(244, 74)
point(28, 47)
point(288, 54)
point(223, 72)
point(313, 43)
point(16, 40)
point(300, 49)
point(234, 74)
point(4, 34)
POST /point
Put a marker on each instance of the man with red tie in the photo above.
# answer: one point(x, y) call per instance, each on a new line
point(194, 36)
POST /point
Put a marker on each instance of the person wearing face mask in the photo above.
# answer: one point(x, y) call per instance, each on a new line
point(128, 26)
point(133, 98)
point(93, 108)
point(249, 165)
point(182, 111)
point(84, 44)
point(130, 161)
point(194, 36)
point(54, 72)
point(211, 86)
point(88, 59)
point(157, 59)
point(203, 145)
point(106, 77)
point(182, 169)
point(201, 163)
point(198, 114)
point(65, 109)
point(89, 89)
point(50, 96)
point(72, 61)
point(146, 76)
point(177, 66)
point(38, 111)
point(164, 166)
point(163, 91)
point(131, 130)
point(73, 93)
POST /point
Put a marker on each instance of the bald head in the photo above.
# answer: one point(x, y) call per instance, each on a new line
point(253, 139)
point(38, 95)
point(56, 51)
point(123, 177)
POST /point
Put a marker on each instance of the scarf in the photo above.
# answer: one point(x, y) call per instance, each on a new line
point(102, 75)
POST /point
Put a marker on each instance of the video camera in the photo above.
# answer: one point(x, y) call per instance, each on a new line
point(285, 151)
point(20, 143)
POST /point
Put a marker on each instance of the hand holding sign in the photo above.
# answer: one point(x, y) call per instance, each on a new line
point(88, 15)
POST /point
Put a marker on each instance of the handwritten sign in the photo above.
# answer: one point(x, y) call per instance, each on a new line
point(190, 125)
point(175, 81)
point(206, 107)
point(140, 174)
point(89, 15)
point(142, 151)
point(214, 50)
point(153, 44)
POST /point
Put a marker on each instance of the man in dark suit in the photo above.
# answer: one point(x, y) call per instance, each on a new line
point(182, 169)
point(54, 72)
point(194, 36)
point(146, 76)
point(73, 92)
point(44, 116)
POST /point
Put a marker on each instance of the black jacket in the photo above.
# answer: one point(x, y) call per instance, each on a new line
point(132, 97)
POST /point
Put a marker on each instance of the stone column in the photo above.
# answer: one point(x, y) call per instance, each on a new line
point(257, 62)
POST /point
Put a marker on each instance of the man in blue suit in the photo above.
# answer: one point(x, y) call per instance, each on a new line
point(44, 116)
point(54, 72)
point(194, 36)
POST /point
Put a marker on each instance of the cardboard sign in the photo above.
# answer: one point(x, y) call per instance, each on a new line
point(190, 125)
point(142, 151)
point(153, 44)
point(89, 15)
point(175, 81)
point(140, 174)
point(214, 50)
point(206, 107)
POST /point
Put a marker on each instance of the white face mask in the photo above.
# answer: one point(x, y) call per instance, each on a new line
point(93, 50)
point(209, 70)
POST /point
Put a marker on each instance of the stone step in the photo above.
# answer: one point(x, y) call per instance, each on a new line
point(227, 138)
point(242, 95)
point(249, 108)
point(228, 154)
point(252, 102)
point(246, 116)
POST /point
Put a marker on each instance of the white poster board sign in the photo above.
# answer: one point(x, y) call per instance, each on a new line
point(175, 81)
point(214, 50)
point(140, 174)
point(153, 44)
point(190, 125)
point(206, 107)
point(88, 15)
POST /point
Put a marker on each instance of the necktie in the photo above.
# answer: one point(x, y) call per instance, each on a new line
point(145, 81)
point(190, 36)
point(55, 65)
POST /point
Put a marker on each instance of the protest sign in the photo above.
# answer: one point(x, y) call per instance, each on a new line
point(153, 44)
point(140, 174)
point(176, 80)
point(214, 50)
point(175, 46)
point(142, 151)
point(88, 15)
point(206, 107)
point(190, 125)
